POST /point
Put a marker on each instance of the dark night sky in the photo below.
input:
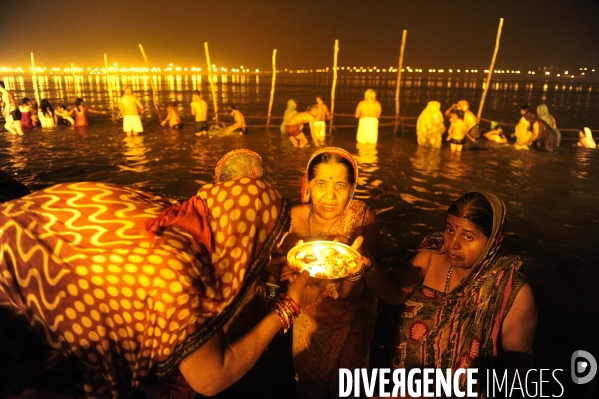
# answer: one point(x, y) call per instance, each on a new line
point(441, 34)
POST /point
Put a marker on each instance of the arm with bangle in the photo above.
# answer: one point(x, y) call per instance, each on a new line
point(213, 368)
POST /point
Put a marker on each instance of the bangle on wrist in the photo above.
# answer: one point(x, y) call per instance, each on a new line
point(288, 310)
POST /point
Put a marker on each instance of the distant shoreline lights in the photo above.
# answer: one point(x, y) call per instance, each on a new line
point(115, 69)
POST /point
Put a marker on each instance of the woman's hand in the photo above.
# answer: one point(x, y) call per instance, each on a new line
point(302, 290)
point(278, 266)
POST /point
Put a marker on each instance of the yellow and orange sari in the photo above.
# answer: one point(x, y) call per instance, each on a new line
point(131, 283)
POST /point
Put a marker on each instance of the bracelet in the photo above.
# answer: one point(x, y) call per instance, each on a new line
point(290, 302)
point(356, 277)
point(287, 310)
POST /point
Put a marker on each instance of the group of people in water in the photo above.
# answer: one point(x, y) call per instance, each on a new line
point(368, 112)
point(539, 130)
point(139, 288)
point(26, 114)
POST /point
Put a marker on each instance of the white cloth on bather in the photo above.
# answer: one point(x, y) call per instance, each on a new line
point(320, 129)
point(588, 141)
point(368, 130)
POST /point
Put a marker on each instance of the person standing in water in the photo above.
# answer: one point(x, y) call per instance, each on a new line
point(295, 125)
point(131, 109)
point(199, 109)
point(239, 125)
point(80, 110)
point(289, 112)
point(473, 132)
point(368, 112)
point(172, 117)
point(12, 115)
point(457, 131)
point(26, 122)
point(320, 126)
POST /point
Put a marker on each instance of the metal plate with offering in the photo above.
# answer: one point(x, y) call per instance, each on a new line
point(325, 260)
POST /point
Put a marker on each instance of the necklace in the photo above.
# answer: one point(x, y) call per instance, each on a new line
point(310, 217)
point(448, 279)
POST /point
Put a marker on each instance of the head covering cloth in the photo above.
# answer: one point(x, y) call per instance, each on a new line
point(543, 113)
point(220, 164)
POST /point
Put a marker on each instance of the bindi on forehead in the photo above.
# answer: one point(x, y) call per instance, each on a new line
point(331, 178)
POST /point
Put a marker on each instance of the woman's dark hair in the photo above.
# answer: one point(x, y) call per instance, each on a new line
point(330, 158)
point(78, 101)
point(476, 208)
point(46, 108)
point(24, 101)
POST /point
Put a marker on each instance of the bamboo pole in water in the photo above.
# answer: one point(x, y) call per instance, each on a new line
point(109, 88)
point(74, 80)
point(272, 89)
point(482, 99)
point(397, 87)
point(154, 97)
point(334, 85)
point(211, 82)
point(37, 95)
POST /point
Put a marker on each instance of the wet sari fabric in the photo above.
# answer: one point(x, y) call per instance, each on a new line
point(79, 263)
point(460, 329)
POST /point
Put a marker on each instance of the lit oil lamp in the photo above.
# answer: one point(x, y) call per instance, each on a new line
point(326, 260)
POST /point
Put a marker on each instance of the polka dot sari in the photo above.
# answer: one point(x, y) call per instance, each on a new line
point(77, 261)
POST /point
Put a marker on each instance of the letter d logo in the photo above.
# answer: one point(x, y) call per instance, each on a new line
point(583, 362)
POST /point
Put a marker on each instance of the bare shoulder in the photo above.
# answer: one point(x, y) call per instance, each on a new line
point(299, 211)
point(422, 260)
point(520, 324)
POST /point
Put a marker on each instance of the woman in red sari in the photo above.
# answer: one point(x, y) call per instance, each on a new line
point(135, 286)
point(334, 332)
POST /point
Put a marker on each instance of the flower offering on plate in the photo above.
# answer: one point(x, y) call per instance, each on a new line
point(325, 259)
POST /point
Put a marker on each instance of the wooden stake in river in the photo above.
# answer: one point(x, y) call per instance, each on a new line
point(397, 86)
point(482, 99)
point(151, 85)
point(334, 85)
point(211, 82)
point(74, 80)
point(272, 89)
point(109, 87)
point(37, 95)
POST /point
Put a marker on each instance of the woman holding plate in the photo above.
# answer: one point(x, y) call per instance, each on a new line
point(334, 332)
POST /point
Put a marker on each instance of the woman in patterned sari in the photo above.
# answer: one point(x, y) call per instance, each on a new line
point(136, 287)
point(466, 304)
point(334, 332)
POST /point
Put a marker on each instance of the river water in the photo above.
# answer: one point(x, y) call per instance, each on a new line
point(552, 198)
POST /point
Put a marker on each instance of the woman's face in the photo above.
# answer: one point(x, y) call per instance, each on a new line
point(464, 242)
point(330, 191)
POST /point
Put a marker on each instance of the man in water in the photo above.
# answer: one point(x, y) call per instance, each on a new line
point(12, 115)
point(199, 109)
point(296, 125)
point(320, 127)
point(472, 128)
point(239, 125)
point(172, 117)
point(368, 111)
point(130, 109)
